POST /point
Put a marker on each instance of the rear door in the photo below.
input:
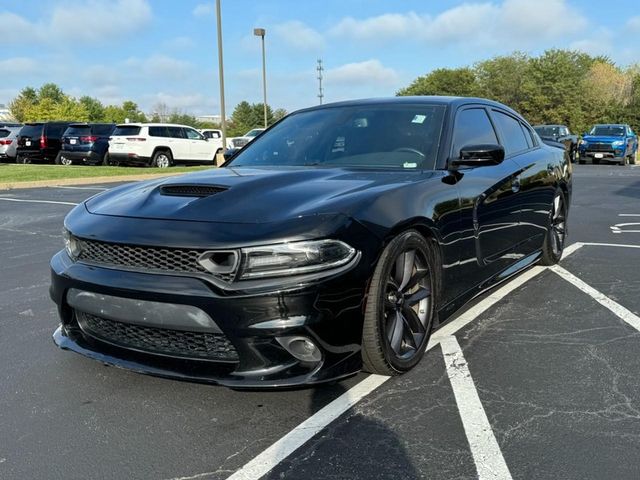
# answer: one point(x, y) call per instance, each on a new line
point(180, 147)
point(75, 138)
point(53, 132)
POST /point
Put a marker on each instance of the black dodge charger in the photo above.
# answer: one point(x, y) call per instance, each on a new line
point(334, 242)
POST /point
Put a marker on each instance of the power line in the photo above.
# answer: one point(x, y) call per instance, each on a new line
point(320, 69)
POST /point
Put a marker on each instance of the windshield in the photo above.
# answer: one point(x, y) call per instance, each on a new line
point(32, 130)
point(382, 136)
point(122, 130)
point(254, 132)
point(608, 130)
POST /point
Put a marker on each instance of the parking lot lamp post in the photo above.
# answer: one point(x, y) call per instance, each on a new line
point(223, 117)
point(260, 32)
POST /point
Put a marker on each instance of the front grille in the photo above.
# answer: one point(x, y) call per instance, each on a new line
point(195, 345)
point(600, 147)
point(141, 258)
point(191, 190)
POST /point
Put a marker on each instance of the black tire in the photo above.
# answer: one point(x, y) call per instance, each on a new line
point(581, 162)
point(106, 161)
point(23, 160)
point(556, 235)
point(62, 160)
point(595, 161)
point(625, 161)
point(162, 159)
point(391, 306)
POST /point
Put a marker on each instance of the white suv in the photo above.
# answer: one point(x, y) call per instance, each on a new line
point(160, 145)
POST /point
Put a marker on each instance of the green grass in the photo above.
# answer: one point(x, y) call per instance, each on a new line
point(30, 173)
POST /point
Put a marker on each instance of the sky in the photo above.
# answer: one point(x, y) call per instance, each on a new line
point(153, 51)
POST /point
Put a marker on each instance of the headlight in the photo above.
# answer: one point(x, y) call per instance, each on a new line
point(294, 258)
point(618, 143)
point(72, 245)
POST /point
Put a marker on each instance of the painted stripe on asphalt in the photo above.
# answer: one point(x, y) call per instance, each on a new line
point(621, 312)
point(620, 245)
point(36, 201)
point(78, 188)
point(485, 450)
point(284, 447)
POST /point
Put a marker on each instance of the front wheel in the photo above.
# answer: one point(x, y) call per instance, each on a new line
point(556, 232)
point(400, 306)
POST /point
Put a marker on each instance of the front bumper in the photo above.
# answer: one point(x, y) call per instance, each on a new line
point(612, 154)
point(329, 314)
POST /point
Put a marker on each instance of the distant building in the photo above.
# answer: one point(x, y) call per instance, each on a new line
point(209, 118)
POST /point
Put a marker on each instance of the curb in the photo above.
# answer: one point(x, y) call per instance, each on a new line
point(83, 180)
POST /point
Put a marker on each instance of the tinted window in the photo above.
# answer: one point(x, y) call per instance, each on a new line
point(513, 138)
point(4, 133)
point(56, 129)
point(125, 130)
point(77, 131)
point(386, 136)
point(31, 130)
point(192, 134)
point(158, 132)
point(102, 130)
point(473, 127)
point(176, 132)
point(531, 138)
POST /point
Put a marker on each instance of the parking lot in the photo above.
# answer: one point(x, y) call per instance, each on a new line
point(538, 379)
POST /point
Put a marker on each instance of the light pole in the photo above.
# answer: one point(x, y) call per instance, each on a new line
point(260, 32)
point(221, 77)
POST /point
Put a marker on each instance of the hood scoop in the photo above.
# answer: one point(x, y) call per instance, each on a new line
point(190, 190)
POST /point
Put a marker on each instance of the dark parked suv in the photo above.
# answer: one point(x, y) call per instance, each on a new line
point(86, 143)
point(40, 141)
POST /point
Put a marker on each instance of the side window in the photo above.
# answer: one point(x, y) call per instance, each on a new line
point(472, 127)
point(513, 138)
point(158, 132)
point(528, 133)
point(176, 132)
point(192, 134)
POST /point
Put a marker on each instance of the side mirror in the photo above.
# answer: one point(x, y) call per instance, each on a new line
point(479, 155)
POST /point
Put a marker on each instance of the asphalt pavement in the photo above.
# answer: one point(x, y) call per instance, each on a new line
point(549, 373)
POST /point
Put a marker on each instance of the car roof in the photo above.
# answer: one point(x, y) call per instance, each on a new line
point(412, 100)
point(549, 125)
point(611, 125)
point(151, 124)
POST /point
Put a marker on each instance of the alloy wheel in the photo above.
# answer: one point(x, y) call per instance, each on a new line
point(65, 161)
point(162, 161)
point(406, 304)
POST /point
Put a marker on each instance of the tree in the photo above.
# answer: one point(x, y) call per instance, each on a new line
point(25, 100)
point(94, 108)
point(52, 92)
point(443, 81)
point(241, 119)
point(505, 79)
point(279, 114)
point(132, 112)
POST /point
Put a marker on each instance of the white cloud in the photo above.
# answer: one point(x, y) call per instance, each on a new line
point(514, 22)
point(369, 72)
point(161, 66)
point(203, 10)
point(18, 66)
point(633, 24)
point(299, 36)
point(94, 21)
point(188, 102)
point(180, 43)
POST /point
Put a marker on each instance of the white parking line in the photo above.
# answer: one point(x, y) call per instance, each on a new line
point(293, 440)
point(485, 450)
point(621, 312)
point(620, 245)
point(36, 201)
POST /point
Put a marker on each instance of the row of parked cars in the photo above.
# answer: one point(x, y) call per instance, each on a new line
point(153, 144)
point(616, 143)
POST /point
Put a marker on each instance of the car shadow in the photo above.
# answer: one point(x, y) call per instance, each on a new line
point(356, 445)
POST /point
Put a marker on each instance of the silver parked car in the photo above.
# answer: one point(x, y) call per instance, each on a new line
point(8, 142)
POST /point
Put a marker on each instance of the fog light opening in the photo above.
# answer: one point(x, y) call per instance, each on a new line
point(301, 348)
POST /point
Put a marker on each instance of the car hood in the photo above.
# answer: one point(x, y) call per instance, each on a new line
point(252, 195)
point(602, 138)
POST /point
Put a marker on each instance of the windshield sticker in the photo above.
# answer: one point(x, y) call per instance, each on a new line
point(410, 165)
point(419, 119)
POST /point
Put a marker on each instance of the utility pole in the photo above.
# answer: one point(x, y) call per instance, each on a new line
point(320, 69)
point(221, 78)
point(260, 32)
